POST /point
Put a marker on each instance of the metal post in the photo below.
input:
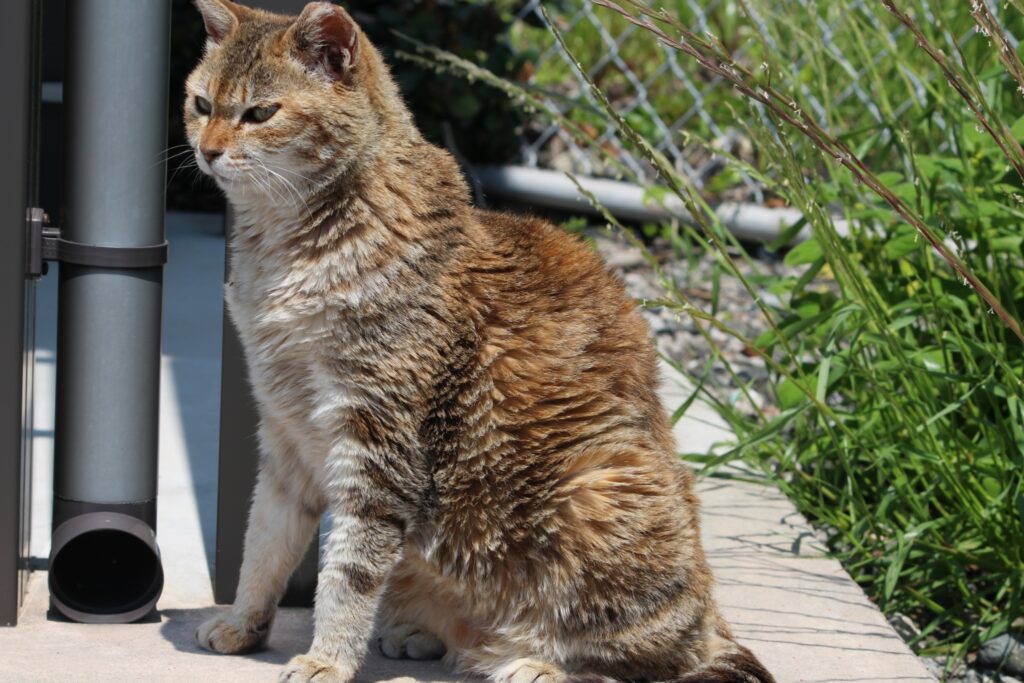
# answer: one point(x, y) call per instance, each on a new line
point(17, 189)
point(104, 562)
point(238, 448)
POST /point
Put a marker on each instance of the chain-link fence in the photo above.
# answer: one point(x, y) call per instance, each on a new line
point(662, 91)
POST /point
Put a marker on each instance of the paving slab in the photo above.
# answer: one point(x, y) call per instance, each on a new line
point(786, 599)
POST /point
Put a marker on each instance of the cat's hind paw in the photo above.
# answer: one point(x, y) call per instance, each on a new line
point(529, 671)
point(224, 634)
point(406, 641)
point(306, 669)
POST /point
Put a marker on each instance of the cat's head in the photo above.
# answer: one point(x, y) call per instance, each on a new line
point(280, 102)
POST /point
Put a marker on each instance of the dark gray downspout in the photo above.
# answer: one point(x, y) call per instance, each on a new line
point(104, 561)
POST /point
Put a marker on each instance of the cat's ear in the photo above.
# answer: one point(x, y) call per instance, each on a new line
point(220, 17)
point(325, 39)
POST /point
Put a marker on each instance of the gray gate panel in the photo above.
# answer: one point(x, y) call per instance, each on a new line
point(18, 23)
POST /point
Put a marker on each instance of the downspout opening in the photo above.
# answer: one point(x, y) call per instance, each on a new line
point(105, 568)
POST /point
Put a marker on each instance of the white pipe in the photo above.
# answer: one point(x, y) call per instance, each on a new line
point(554, 189)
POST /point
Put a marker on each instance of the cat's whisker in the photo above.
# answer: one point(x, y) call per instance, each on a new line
point(197, 174)
point(265, 184)
point(270, 182)
point(291, 187)
point(177, 155)
point(255, 180)
point(170, 154)
point(282, 169)
point(172, 148)
point(191, 163)
point(288, 185)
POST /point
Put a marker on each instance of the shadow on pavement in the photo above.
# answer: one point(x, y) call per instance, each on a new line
point(292, 634)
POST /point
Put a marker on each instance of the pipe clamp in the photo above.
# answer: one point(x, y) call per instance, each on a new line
point(45, 244)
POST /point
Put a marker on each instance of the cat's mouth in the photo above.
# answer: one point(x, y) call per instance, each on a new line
point(221, 170)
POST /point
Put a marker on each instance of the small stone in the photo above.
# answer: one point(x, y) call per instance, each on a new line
point(658, 322)
point(626, 258)
point(640, 286)
point(904, 626)
point(747, 403)
point(974, 676)
point(936, 666)
point(562, 162)
point(1004, 653)
point(671, 347)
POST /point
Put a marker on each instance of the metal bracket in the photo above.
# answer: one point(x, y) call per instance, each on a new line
point(45, 244)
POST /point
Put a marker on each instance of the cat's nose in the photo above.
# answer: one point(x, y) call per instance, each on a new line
point(210, 154)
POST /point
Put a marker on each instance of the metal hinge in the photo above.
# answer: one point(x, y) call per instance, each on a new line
point(44, 244)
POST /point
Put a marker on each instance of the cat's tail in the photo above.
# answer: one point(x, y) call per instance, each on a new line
point(735, 664)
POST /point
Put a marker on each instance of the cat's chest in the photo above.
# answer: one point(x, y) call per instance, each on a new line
point(273, 319)
point(287, 330)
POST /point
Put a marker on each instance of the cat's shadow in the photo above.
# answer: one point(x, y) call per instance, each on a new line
point(292, 634)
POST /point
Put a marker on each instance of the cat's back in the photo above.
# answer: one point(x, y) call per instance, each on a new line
point(561, 272)
point(566, 346)
point(564, 304)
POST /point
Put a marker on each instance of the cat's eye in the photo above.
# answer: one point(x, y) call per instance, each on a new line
point(203, 106)
point(260, 114)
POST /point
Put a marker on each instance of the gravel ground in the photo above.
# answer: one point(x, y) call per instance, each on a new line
point(965, 673)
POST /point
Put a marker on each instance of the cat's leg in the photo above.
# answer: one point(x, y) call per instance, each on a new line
point(281, 524)
point(364, 545)
point(358, 557)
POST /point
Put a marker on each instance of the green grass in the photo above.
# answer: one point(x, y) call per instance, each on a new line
point(898, 367)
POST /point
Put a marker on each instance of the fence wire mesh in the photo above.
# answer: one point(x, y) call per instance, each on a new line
point(664, 95)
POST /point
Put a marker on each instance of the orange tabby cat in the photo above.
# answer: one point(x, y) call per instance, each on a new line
point(471, 395)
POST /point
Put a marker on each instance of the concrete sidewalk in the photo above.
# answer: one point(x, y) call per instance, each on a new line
point(795, 607)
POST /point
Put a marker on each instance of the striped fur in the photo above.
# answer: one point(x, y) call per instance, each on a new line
point(470, 395)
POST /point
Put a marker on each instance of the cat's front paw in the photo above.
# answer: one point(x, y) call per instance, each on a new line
point(306, 669)
point(226, 634)
point(406, 641)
